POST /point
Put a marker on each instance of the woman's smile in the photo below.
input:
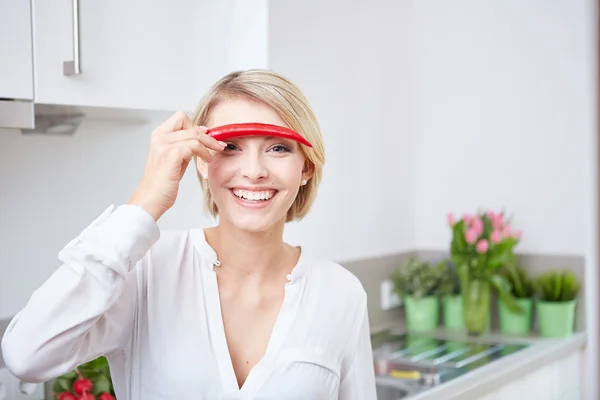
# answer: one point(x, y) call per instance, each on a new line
point(253, 198)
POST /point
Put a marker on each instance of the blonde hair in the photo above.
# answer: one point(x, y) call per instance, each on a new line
point(286, 99)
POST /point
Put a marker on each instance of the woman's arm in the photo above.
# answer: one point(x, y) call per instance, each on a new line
point(358, 375)
point(86, 308)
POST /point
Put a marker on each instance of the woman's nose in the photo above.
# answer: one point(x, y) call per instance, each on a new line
point(253, 166)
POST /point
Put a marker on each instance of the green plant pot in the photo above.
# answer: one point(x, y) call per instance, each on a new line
point(513, 323)
point(421, 314)
point(452, 311)
point(556, 319)
point(476, 306)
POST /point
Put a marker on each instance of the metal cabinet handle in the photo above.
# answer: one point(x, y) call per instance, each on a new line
point(73, 67)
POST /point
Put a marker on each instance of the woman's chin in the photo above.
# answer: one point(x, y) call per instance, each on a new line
point(252, 221)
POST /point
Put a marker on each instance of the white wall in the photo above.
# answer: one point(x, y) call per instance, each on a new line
point(504, 111)
point(355, 65)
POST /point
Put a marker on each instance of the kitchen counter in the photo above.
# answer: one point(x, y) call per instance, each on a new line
point(546, 368)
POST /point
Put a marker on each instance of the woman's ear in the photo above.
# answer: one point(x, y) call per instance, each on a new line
point(308, 171)
point(202, 168)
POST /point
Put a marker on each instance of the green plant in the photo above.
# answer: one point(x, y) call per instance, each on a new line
point(89, 381)
point(417, 278)
point(556, 286)
point(521, 288)
point(450, 281)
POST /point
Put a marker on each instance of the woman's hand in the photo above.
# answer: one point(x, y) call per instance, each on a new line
point(172, 146)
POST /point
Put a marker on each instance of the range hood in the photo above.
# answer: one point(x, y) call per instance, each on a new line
point(31, 117)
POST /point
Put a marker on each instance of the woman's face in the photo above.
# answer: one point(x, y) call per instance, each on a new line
point(255, 179)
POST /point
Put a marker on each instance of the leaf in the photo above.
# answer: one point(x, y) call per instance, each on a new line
point(570, 286)
point(557, 287)
point(515, 279)
point(70, 375)
point(499, 259)
point(97, 363)
point(503, 287)
point(101, 384)
point(63, 384)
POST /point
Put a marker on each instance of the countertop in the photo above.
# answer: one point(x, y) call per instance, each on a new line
point(490, 377)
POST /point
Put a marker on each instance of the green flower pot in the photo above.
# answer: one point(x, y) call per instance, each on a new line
point(556, 319)
point(513, 323)
point(452, 311)
point(421, 314)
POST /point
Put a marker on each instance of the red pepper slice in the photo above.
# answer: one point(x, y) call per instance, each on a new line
point(225, 132)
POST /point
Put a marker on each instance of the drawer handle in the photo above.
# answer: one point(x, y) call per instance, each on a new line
point(73, 67)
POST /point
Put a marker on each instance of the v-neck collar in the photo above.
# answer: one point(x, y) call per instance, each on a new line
point(209, 254)
point(259, 373)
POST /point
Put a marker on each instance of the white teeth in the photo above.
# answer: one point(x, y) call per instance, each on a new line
point(254, 195)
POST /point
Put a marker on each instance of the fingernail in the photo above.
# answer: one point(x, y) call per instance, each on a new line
point(222, 143)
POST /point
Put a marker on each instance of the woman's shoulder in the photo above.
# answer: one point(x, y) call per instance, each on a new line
point(173, 242)
point(338, 279)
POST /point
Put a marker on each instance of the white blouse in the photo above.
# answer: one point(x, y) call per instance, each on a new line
point(149, 301)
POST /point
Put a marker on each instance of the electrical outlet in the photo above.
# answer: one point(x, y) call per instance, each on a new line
point(389, 299)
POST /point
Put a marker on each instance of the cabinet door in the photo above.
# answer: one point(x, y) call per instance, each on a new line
point(16, 67)
point(139, 54)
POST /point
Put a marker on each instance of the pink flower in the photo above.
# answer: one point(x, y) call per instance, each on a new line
point(496, 236)
point(468, 219)
point(506, 231)
point(491, 215)
point(517, 234)
point(451, 219)
point(497, 221)
point(471, 236)
point(477, 225)
point(482, 246)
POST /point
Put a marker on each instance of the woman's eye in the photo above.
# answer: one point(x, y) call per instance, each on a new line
point(230, 146)
point(280, 148)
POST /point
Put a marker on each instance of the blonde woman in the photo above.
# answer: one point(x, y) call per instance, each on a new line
point(226, 312)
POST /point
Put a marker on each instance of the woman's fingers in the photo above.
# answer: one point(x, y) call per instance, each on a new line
point(176, 122)
point(190, 147)
point(198, 133)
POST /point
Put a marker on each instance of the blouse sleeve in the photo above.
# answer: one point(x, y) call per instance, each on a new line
point(358, 379)
point(86, 308)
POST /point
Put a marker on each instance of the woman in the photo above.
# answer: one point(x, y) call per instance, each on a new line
point(227, 312)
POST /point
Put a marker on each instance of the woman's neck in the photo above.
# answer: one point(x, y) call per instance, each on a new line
point(251, 253)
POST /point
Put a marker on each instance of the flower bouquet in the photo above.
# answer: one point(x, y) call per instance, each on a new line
point(89, 381)
point(482, 246)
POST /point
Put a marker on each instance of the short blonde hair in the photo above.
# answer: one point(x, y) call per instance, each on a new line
point(290, 104)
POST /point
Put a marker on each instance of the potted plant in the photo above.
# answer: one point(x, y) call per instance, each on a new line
point(452, 302)
point(481, 245)
point(417, 282)
point(556, 293)
point(90, 381)
point(517, 323)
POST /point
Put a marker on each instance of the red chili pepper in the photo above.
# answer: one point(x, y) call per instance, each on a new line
point(225, 132)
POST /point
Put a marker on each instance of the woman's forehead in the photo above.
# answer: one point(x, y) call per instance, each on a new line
point(241, 110)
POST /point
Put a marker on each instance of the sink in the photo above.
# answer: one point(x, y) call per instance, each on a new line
point(410, 363)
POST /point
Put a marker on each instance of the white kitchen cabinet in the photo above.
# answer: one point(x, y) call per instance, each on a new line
point(559, 380)
point(139, 54)
point(16, 67)
point(16, 64)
